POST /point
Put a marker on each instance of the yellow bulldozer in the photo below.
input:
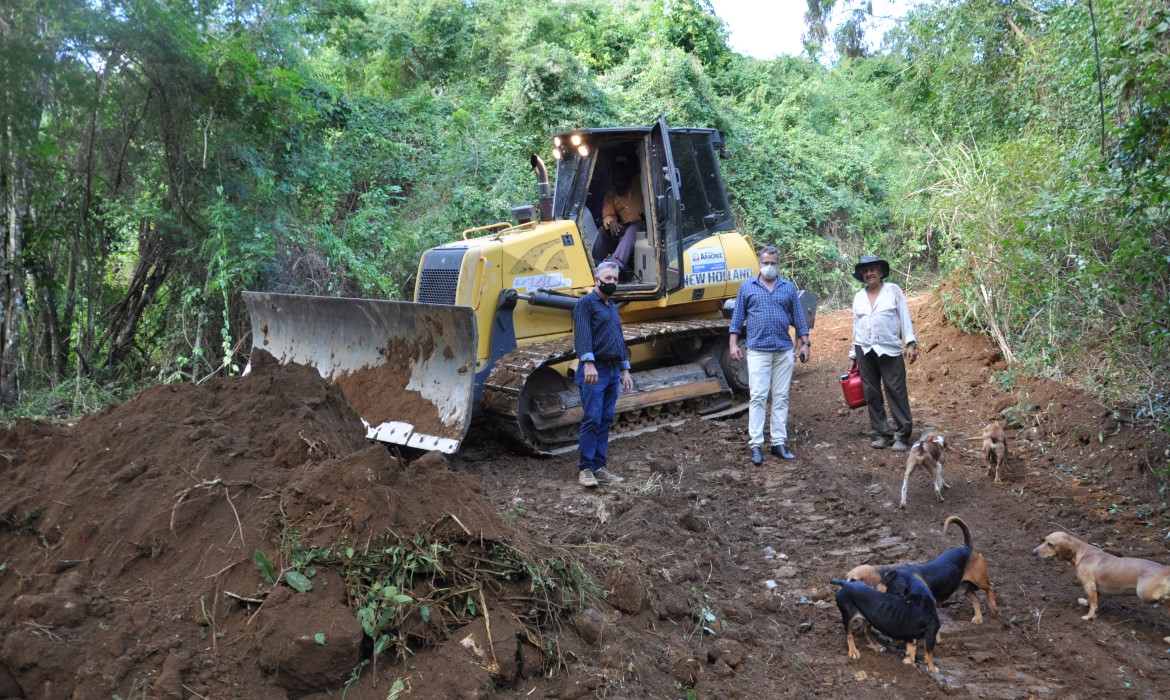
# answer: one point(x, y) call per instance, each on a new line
point(489, 334)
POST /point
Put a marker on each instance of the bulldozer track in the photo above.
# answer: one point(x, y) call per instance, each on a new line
point(503, 389)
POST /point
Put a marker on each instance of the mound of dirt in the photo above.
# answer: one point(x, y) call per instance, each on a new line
point(128, 542)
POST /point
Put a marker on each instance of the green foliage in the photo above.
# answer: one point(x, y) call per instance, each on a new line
point(74, 397)
point(663, 81)
point(262, 562)
point(549, 90)
point(298, 581)
point(177, 153)
point(815, 162)
point(1059, 253)
point(692, 26)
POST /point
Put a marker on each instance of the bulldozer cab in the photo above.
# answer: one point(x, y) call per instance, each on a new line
point(683, 199)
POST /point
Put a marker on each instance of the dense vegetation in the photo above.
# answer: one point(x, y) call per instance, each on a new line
point(159, 156)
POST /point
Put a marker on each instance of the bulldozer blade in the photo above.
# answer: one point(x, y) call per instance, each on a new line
point(407, 369)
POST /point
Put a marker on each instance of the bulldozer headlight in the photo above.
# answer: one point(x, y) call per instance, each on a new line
point(557, 154)
point(557, 141)
point(575, 139)
point(583, 150)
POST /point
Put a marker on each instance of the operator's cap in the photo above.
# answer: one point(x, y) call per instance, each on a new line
point(869, 260)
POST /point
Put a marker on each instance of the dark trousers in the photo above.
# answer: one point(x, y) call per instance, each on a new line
point(607, 246)
point(890, 371)
point(598, 402)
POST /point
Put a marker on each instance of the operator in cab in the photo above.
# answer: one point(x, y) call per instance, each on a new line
point(623, 214)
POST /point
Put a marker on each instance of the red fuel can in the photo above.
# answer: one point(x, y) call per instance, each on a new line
point(851, 386)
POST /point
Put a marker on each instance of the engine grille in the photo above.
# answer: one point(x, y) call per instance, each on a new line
point(439, 277)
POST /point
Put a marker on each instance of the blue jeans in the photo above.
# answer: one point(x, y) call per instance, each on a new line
point(597, 404)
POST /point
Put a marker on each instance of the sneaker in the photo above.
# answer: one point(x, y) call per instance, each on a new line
point(605, 476)
point(757, 455)
point(879, 443)
point(900, 446)
point(585, 477)
point(781, 451)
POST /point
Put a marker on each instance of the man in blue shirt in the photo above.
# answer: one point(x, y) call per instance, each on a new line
point(603, 369)
point(768, 305)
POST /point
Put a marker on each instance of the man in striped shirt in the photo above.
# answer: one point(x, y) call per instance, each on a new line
point(769, 305)
point(603, 370)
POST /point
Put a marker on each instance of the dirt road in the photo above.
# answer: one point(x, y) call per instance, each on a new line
point(695, 520)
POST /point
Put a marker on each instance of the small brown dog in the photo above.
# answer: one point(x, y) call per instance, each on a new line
point(928, 454)
point(1102, 573)
point(994, 448)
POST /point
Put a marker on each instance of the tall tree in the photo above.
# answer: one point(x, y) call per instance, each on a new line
point(31, 38)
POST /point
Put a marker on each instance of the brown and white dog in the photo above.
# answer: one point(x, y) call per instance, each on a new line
point(1103, 573)
point(928, 454)
point(994, 448)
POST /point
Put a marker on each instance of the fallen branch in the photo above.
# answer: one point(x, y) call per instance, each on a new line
point(243, 599)
point(45, 629)
point(239, 526)
point(180, 496)
point(494, 669)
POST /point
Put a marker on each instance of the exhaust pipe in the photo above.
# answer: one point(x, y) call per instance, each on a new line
point(542, 188)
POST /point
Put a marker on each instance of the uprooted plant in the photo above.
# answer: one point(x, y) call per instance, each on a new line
point(410, 592)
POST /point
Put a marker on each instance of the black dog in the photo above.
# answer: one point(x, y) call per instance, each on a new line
point(954, 568)
point(908, 615)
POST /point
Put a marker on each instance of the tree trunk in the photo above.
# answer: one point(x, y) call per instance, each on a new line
point(25, 68)
point(11, 274)
point(155, 260)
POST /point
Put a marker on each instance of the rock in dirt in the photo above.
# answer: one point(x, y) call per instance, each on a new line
point(673, 606)
point(288, 648)
point(497, 651)
point(169, 684)
point(689, 521)
point(625, 592)
point(9, 688)
point(575, 688)
point(687, 672)
point(63, 607)
point(727, 651)
point(593, 627)
point(531, 661)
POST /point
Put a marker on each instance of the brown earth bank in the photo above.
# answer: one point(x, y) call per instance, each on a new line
point(129, 540)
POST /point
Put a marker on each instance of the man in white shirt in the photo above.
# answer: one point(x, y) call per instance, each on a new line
point(882, 333)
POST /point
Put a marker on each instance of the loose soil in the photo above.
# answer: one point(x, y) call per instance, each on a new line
point(127, 543)
point(380, 394)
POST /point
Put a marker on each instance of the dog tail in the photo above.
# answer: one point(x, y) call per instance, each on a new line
point(962, 526)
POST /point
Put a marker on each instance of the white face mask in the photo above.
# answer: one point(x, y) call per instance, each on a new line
point(769, 272)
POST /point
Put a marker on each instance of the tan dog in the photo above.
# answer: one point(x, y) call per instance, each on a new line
point(994, 447)
point(1103, 573)
point(928, 454)
point(938, 576)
